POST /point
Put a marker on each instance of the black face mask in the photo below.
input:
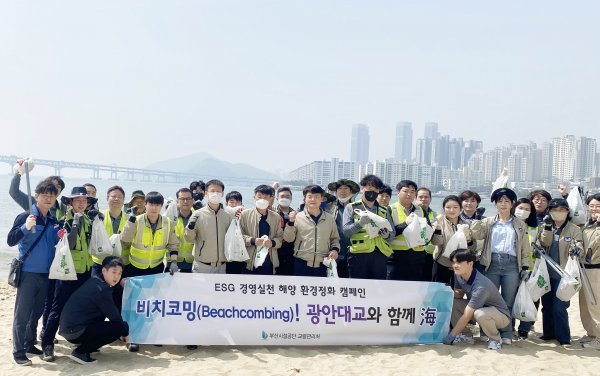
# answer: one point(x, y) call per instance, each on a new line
point(371, 196)
point(198, 196)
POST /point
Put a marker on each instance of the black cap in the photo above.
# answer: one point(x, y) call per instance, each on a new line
point(558, 203)
point(78, 192)
point(347, 182)
point(512, 196)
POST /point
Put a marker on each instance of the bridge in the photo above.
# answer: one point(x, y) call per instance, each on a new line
point(115, 172)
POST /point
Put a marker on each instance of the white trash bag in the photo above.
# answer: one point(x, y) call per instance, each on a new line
point(63, 267)
point(261, 254)
point(457, 241)
point(235, 246)
point(331, 267)
point(171, 210)
point(100, 245)
point(539, 281)
point(375, 224)
point(570, 283)
point(577, 207)
point(115, 241)
point(417, 233)
point(523, 308)
point(502, 181)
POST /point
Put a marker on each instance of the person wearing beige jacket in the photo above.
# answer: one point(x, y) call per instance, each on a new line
point(506, 249)
point(262, 227)
point(590, 314)
point(559, 238)
point(314, 233)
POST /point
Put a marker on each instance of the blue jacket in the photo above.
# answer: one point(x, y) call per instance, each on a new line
point(40, 258)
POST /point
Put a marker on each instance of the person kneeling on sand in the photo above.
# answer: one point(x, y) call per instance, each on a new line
point(484, 303)
point(82, 320)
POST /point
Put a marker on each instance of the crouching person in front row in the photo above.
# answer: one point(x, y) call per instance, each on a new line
point(484, 303)
point(82, 320)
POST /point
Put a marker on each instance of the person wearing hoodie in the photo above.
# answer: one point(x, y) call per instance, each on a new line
point(314, 234)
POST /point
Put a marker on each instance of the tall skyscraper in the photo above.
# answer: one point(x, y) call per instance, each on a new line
point(359, 149)
point(431, 130)
point(404, 136)
point(564, 155)
point(585, 166)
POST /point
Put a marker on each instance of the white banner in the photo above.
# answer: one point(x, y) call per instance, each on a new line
point(225, 309)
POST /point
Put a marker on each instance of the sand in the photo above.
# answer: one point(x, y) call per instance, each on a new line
point(520, 358)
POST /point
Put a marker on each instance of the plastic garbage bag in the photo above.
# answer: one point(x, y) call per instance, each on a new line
point(261, 254)
point(523, 308)
point(171, 210)
point(235, 246)
point(502, 181)
point(457, 241)
point(417, 233)
point(577, 207)
point(63, 267)
point(19, 167)
point(375, 224)
point(570, 281)
point(331, 267)
point(539, 281)
point(100, 245)
point(115, 241)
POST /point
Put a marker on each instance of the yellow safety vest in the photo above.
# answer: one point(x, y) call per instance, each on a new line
point(148, 250)
point(360, 241)
point(429, 248)
point(399, 216)
point(186, 249)
point(532, 233)
point(81, 257)
point(109, 230)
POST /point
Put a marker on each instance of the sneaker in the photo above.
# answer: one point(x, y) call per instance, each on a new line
point(494, 345)
point(461, 338)
point(523, 334)
point(594, 344)
point(192, 347)
point(506, 341)
point(48, 353)
point(586, 338)
point(484, 338)
point(81, 358)
point(133, 347)
point(547, 338)
point(22, 360)
point(34, 351)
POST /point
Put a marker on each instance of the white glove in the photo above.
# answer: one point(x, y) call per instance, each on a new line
point(30, 222)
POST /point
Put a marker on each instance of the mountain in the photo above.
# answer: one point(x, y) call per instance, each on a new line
point(206, 167)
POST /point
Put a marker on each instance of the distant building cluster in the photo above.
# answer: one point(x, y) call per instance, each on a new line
point(446, 163)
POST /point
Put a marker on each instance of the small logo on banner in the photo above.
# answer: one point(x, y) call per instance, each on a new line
point(264, 335)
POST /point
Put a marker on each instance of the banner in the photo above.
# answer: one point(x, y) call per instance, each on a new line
point(225, 309)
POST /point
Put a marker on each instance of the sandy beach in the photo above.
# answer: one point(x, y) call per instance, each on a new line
point(522, 357)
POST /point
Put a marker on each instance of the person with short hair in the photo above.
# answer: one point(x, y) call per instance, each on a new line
point(590, 313)
point(385, 195)
point(198, 188)
point(484, 303)
point(368, 256)
point(423, 200)
point(83, 318)
point(233, 199)
point(261, 227)
point(314, 235)
point(470, 206)
point(185, 255)
point(91, 192)
point(540, 199)
point(234, 206)
point(33, 285)
point(285, 211)
point(207, 228)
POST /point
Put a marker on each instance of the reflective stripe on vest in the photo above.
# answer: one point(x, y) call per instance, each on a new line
point(81, 257)
point(399, 242)
point(147, 250)
point(185, 248)
point(360, 242)
point(109, 230)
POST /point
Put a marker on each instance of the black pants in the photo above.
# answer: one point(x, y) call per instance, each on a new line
point(235, 267)
point(62, 293)
point(97, 335)
point(368, 265)
point(407, 265)
point(342, 268)
point(286, 261)
point(442, 274)
point(428, 267)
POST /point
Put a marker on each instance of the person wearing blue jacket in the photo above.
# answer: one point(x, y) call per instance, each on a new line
point(33, 283)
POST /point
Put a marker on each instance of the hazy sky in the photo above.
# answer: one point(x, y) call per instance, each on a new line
point(279, 83)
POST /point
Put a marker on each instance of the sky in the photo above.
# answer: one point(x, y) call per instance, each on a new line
point(278, 84)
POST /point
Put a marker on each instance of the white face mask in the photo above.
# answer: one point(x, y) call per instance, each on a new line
point(215, 197)
point(262, 204)
point(285, 202)
point(522, 214)
point(559, 216)
point(344, 200)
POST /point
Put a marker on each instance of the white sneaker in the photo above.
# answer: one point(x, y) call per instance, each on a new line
point(494, 345)
point(461, 338)
point(506, 341)
point(586, 338)
point(595, 344)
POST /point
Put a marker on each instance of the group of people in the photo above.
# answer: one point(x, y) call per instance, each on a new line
point(330, 225)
